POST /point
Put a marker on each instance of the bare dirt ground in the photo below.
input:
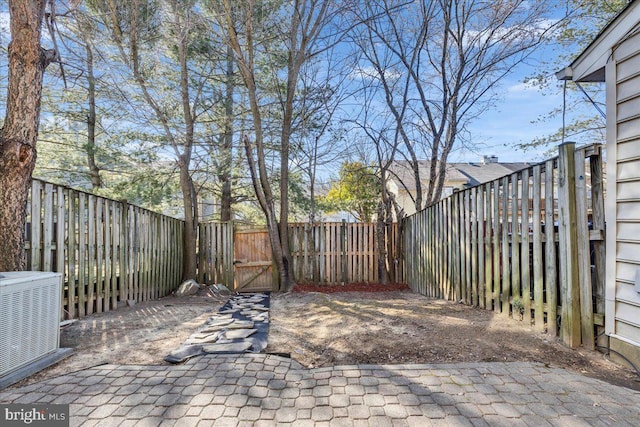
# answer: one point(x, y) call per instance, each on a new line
point(329, 329)
point(320, 329)
point(138, 335)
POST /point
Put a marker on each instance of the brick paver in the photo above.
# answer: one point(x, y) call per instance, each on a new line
point(267, 390)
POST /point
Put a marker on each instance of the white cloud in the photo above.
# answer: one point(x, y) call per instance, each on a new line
point(370, 73)
point(528, 86)
point(510, 34)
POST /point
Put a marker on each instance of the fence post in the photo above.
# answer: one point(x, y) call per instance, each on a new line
point(597, 204)
point(36, 225)
point(71, 253)
point(551, 272)
point(569, 275)
point(201, 265)
point(230, 243)
point(343, 253)
point(584, 250)
point(124, 251)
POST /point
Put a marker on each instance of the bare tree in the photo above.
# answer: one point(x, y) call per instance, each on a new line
point(226, 146)
point(318, 137)
point(300, 33)
point(437, 63)
point(133, 30)
point(27, 62)
point(82, 31)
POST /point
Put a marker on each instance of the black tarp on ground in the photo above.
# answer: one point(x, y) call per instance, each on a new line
point(246, 311)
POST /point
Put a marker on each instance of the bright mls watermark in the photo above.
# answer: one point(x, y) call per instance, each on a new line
point(34, 415)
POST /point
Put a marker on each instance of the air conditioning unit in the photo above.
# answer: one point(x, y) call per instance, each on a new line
point(29, 319)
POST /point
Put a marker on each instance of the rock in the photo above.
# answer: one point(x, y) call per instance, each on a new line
point(205, 334)
point(220, 316)
point(221, 288)
point(239, 333)
point(194, 339)
point(208, 330)
point(219, 322)
point(236, 347)
point(240, 324)
point(250, 313)
point(131, 302)
point(262, 317)
point(189, 287)
point(183, 353)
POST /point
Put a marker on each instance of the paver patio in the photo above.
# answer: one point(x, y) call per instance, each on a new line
point(265, 390)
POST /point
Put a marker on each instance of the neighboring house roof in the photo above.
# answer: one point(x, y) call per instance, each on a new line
point(460, 174)
point(479, 173)
point(401, 173)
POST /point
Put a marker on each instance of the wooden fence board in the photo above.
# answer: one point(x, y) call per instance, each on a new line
point(551, 284)
point(525, 249)
point(431, 243)
point(36, 221)
point(598, 222)
point(488, 252)
point(99, 254)
point(72, 270)
point(47, 236)
point(108, 250)
point(505, 285)
point(457, 253)
point(584, 285)
point(215, 256)
point(538, 275)
point(465, 222)
point(497, 270)
point(499, 243)
point(473, 198)
point(481, 246)
point(515, 239)
point(61, 224)
point(95, 243)
point(338, 252)
point(568, 238)
point(82, 255)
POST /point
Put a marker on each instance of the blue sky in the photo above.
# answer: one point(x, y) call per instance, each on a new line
point(511, 120)
point(514, 119)
point(509, 123)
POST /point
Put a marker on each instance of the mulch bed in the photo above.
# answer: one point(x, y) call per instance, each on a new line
point(350, 287)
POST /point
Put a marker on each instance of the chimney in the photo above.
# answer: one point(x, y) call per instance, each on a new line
point(489, 159)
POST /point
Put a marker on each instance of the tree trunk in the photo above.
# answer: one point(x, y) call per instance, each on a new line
point(227, 143)
point(311, 235)
point(27, 62)
point(265, 199)
point(94, 171)
point(189, 195)
point(287, 120)
point(189, 199)
point(381, 245)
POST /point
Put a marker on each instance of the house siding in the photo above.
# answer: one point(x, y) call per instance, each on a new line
point(623, 151)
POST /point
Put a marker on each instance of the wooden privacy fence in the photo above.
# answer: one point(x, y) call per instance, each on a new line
point(329, 253)
point(341, 252)
point(528, 245)
point(215, 253)
point(109, 252)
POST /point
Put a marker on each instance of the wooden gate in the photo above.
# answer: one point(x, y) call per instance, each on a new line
point(253, 262)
